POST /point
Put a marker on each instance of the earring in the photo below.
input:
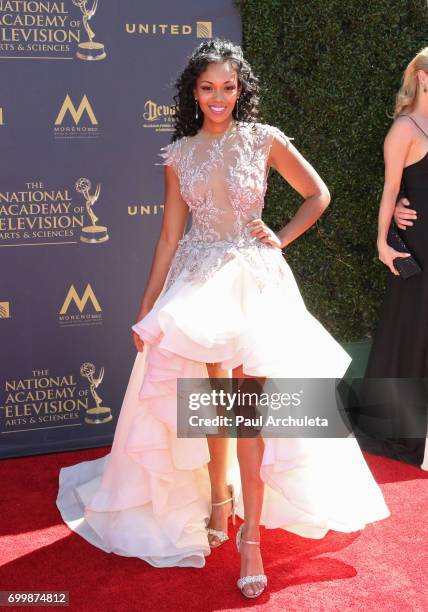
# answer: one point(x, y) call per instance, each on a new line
point(196, 109)
point(237, 106)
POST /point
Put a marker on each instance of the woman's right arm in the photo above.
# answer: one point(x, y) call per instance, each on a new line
point(173, 225)
point(396, 146)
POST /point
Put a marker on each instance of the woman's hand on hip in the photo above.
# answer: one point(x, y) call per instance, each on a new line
point(262, 232)
point(403, 215)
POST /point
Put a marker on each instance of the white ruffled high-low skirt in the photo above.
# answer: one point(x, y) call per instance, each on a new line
point(150, 496)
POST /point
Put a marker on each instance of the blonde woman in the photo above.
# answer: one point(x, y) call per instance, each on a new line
point(400, 347)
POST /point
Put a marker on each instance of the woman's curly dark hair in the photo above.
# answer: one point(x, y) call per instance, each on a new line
point(213, 50)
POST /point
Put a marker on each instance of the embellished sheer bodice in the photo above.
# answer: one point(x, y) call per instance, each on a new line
point(223, 177)
point(223, 180)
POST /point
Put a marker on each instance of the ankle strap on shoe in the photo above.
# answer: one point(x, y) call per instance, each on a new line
point(249, 541)
point(221, 503)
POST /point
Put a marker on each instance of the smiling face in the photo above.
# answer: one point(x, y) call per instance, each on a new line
point(217, 91)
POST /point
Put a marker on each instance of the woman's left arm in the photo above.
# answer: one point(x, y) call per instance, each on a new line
point(299, 173)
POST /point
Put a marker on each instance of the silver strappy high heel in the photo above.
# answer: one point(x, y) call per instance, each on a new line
point(218, 533)
point(249, 579)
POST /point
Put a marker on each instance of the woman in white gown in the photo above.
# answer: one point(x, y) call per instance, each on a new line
point(220, 300)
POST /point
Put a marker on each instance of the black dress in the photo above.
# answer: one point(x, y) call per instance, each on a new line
point(396, 403)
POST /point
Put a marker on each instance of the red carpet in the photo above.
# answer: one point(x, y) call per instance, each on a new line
point(383, 567)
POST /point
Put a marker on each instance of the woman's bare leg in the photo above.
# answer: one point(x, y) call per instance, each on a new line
point(219, 448)
point(250, 453)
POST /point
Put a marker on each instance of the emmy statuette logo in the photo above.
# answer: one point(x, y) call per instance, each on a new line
point(97, 414)
point(4, 310)
point(89, 50)
point(1, 116)
point(93, 233)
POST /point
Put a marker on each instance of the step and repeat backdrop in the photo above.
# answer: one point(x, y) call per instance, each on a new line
point(85, 105)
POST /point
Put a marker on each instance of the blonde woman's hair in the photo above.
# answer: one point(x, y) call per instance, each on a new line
point(407, 95)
